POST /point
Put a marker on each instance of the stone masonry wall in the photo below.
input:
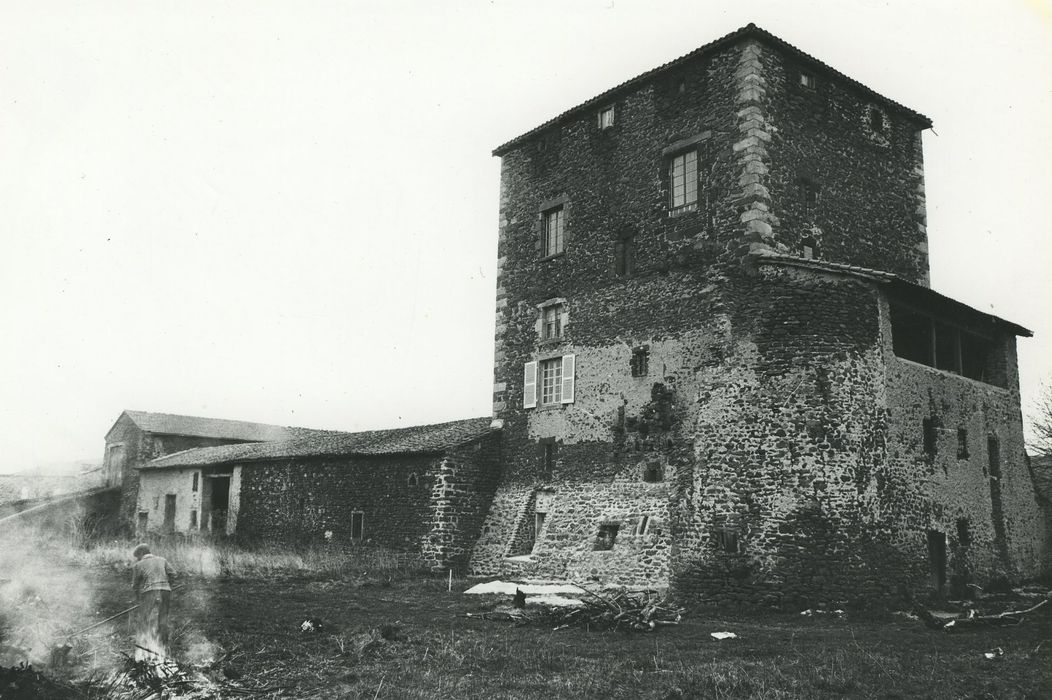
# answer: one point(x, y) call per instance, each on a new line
point(868, 184)
point(949, 488)
point(755, 441)
point(429, 504)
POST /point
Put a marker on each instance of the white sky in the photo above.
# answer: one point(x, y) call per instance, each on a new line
point(286, 212)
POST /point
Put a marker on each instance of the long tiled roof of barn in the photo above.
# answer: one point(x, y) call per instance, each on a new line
point(419, 439)
point(749, 30)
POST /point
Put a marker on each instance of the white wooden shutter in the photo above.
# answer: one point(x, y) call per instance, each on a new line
point(529, 385)
point(568, 368)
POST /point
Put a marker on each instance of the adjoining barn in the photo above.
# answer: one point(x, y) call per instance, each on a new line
point(139, 436)
point(422, 489)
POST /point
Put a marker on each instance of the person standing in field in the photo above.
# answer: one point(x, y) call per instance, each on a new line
point(152, 578)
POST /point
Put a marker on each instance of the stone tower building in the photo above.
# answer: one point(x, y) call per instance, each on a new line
point(719, 364)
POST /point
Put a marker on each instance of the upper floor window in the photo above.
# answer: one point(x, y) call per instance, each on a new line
point(683, 181)
point(552, 322)
point(606, 117)
point(807, 80)
point(553, 231)
point(548, 382)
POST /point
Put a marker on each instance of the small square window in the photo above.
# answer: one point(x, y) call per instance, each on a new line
point(727, 540)
point(604, 541)
point(640, 362)
point(606, 117)
point(807, 80)
point(552, 322)
point(553, 234)
point(653, 473)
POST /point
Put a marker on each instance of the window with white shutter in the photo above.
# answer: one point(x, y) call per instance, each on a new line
point(568, 378)
point(529, 385)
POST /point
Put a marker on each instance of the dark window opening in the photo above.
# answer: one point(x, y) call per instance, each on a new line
point(809, 189)
point(931, 433)
point(962, 443)
point(810, 248)
point(918, 337)
point(549, 453)
point(727, 540)
point(193, 519)
point(640, 362)
point(144, 517)
point(357, 525)
point(653, 473)
point(937, 558)
point(604, 541)
point(624, 257)
point(641, 529)
point(876, 120)
point(195, 484)
point(414, 480)
point(993, 455)
point(964, 534)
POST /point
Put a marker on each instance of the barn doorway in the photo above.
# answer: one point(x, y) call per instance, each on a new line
point(216, 501)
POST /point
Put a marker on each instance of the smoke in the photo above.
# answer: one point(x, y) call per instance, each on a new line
point(43, 598)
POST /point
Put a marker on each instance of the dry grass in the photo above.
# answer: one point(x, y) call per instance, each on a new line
point(200, 557)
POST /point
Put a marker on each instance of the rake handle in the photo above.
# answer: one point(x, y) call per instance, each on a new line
point(114, 617)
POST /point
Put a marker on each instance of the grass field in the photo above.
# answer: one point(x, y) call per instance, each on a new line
point(410, 638)
point(391, 632)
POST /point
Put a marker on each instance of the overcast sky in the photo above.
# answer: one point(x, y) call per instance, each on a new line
point(286, 212)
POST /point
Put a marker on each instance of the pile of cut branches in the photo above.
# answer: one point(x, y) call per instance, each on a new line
point(630, 611)
point(972, 619)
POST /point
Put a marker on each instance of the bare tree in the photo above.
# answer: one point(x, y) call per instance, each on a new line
point(1041, 443)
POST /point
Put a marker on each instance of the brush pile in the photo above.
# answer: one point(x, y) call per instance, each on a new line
point(160, 679)
point(629, 611)
point(22, 682)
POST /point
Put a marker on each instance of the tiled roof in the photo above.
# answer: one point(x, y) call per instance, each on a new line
point(171, 424)
point(891, 280)
point(420, 439)
point(749, 30)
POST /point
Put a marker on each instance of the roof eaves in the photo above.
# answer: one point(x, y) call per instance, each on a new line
point(889, 279)
point(748, 30)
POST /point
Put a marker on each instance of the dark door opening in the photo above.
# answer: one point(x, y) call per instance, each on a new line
point(219, 503)
point(937, 559)
point(169, 513)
